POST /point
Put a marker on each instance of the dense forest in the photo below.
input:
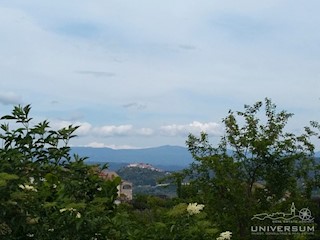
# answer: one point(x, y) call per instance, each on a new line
point(259, 182)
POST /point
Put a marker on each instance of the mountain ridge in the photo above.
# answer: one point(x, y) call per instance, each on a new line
point(162, 155)
point(165, 157)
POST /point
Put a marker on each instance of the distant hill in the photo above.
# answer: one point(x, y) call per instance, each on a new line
point(168, 158)
point(141, 176)
point(174, 156)
point(146, 180)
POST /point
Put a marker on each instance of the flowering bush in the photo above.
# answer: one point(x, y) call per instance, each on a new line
point(174, 222)
point(45, 193)
point(225, 235)
point(194, 208)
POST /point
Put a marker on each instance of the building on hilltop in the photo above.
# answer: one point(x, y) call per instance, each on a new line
point(125, 187)
point(144, 166)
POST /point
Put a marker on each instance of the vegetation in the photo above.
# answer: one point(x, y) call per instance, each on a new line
point(258, 167)
point(141, 176)
point(146, 181)
point(45, 193)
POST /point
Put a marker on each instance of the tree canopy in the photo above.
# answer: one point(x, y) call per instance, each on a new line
point(45, 193)
point(256, 166)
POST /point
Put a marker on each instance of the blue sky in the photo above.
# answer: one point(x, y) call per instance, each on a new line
point(146, 73)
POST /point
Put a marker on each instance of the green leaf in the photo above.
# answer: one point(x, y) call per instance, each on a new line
point(7, 177)
point(8, 117)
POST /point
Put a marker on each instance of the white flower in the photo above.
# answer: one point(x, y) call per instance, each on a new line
point(194, 208)
point(31, 180)
point(54, 186)
point(30, 235)
point(28, 187)
point(50, 229)
point(68, 209)
point(99, 189)
point(78, 215)
point(225, 235)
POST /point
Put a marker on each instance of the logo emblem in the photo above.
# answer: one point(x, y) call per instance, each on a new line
point(304, 215)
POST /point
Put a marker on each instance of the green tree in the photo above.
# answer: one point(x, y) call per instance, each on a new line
point(45, 193)
point(255, 167)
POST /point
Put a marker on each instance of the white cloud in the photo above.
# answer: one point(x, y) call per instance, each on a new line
point(10, 98)
point(113, 146)
point(145, 131)
point(87, 129)
point(121, 130)
point(204, 56)
point(135, 105)
point(112, 130)
point(195, 127)
point(84, 128)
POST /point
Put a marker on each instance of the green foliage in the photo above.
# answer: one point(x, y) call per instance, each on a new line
point(165, 222)
point(255, 166)
point(45, 193)
point(5, 177)
point(141, 176)
point(145, 180)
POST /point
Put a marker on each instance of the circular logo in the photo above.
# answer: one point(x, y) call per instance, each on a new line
point(305, 214)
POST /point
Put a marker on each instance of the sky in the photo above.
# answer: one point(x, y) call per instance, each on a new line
point(146, 73)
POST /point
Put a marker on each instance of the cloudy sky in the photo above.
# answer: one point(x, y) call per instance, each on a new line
point(147, 72)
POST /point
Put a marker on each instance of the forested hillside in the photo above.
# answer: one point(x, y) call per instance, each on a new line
point(141, 176)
